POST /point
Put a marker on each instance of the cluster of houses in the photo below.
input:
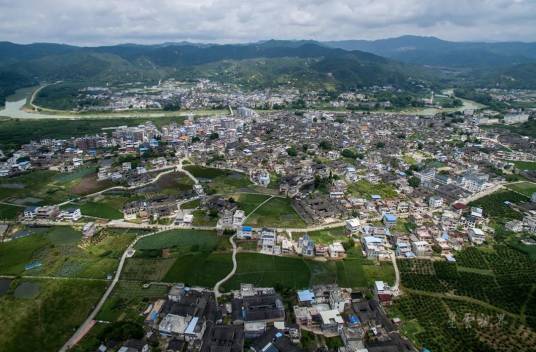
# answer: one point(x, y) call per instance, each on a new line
point(191, 319)
point(52, 213)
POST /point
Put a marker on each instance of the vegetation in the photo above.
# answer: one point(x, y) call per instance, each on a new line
point(496, 205)
point(277, 212)
point(365, 188)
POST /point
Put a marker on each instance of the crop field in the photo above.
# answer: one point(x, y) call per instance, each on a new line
point(10, 212)
point(101, 209)
point(182, 241)
point(146, 269)
point(50, 187)
point(327, 236)
point(46, 321)
point(218, 180)
point(366, 189)
point(56, 248)
point(524, 165)
point(494, 205)
point(172, 184)
point(526, 188)
point(298, 273)
point(278, 212)
point(502, 278)
point(449, 325)
point(200, 269)
point(249, 201)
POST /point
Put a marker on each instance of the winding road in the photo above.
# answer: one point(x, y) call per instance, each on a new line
point(89, 322)
point(233, 271)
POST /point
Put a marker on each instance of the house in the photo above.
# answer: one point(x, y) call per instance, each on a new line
point(374, 247)
point(435, 202)
point(268, 242)
point(389, 220)
point(245, 233)
point(306, 246)
point(30, 213)
point(514, 226)
point(331, 320)
point(71, 214)
point(336, 250)
point(49, 212)
point(383, 292)
point(89, 229)
point(306, 297)
point(476, 235)
point(421, 248)
point(353, 226)
point(238, 217)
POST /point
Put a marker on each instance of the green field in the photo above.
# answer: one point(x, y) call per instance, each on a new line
point(526, 188)
point(249, 201)
point(494, 205)
point(101, 209)
point(182, 241)
point(56, 248)
point(200, 269)
point(278, 212)
point(326, 236)
point(366, 189)
point(524, 165)
point(45, 322)
point(10, 212)
point(219, 181)
point(298, 273)
point(50, 187)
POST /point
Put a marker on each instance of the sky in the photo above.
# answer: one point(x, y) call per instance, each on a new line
point(103, 22)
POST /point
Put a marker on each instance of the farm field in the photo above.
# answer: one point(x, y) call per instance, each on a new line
point(278, 212)
point(524, 165)
point(182, 241)
point(49, 187)
point(526, 188)
point(326, 236)
point(366, 189)
point(173, 184)
point(249, 201)
point(10, 212)
point(46, 321)
point(220, 181)
point(56, 251)
point(494, 205)
point(298, 273)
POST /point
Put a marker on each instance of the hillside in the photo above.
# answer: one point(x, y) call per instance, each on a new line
point(258, 65)
point(437, 52)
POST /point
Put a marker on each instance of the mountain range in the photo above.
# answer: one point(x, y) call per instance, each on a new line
point(407, 62)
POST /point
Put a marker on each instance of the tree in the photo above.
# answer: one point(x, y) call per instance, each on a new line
point(325, 145)
point(414, 181)
point(348, 153)
point(214, 135)
point(292, 151)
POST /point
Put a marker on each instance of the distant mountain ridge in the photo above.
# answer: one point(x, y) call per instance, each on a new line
point(437, 52)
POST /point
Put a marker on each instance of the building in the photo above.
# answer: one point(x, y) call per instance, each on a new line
point(238, 217)
point(421, 248)
point(435, 202)
point(89, 229)
point(477, 236)
point(306, 246)
point(353, 226)
point(71, 214)
point(389, 219)
point(383, 292)
point(336, 250)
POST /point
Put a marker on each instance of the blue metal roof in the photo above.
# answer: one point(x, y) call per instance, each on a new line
point(306, 295)
point(191, 326)
point(247, 228)
point(389, 217)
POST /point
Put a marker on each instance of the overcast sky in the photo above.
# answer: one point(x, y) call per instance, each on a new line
point(96, 22)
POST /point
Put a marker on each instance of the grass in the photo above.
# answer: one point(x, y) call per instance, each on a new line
point(101, 209)
point(9, 212)
point(248, 201)
point(147, 269)
point(200, 269)
point(47, 321)
point(50, 187)
point(327, 236)
point(524, 165)
point(57, 249)
point(365, 188)
point(218, 180)
point(278, 212)
point(298, 272)
point(526, 188)
point(128, 300)
point(494, 205)
point(191, 204)
point(181, 240)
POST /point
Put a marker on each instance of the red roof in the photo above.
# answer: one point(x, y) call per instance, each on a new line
point(459, 206)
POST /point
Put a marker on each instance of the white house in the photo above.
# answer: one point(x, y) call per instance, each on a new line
point(71, 214)
point(476, 235)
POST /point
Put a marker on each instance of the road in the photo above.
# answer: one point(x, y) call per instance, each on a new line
point(257, 207)
point(89, 322)
point(396, 287)
point(233, 271)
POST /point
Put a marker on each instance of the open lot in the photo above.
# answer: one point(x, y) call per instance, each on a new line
point(56, 250)
point(366, 189)
point(278, 212)
point(327, 236)
point(526, 188)
point(219, 181)
point(45, 322)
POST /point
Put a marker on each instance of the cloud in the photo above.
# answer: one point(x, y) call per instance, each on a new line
point(99, 22)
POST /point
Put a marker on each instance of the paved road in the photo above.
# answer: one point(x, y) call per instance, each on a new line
point(89, 322)
point(396, 287)
point(233, 271)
